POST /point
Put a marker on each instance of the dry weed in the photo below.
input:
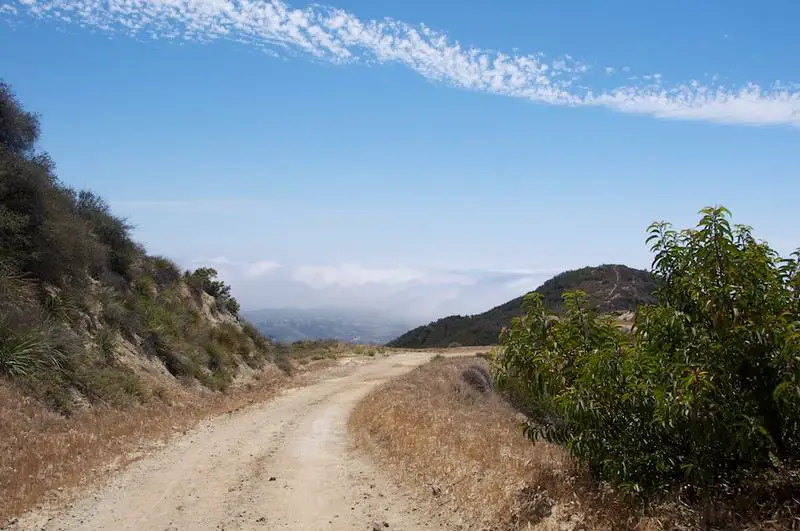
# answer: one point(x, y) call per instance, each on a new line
point(463, 450)
point(45, 455)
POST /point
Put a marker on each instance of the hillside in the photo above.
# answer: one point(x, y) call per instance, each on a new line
point(86, 315)
point(610, 288)
point(352, 325)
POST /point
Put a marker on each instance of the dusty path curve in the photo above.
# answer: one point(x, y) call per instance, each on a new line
point(283, 464)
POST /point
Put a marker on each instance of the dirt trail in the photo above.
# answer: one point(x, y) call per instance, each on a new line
point(283, 464)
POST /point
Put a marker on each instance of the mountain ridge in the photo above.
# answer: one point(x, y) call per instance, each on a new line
point(610, 287)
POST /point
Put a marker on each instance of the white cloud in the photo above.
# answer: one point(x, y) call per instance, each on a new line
point(252, 270)
point(750, 105)
point(351, 275)
point(217, 260)
point(259, 269)
point(335, 35)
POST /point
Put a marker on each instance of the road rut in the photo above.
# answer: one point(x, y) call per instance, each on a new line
point(283, 464)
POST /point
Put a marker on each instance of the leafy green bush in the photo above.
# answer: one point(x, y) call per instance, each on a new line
point(704, 390)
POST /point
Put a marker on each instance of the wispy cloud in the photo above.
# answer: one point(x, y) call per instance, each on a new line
point(352, 275)
point(335, 35)
point(249, 270)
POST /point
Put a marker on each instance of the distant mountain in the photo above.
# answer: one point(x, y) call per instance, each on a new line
point(609, 287)
point(287, 325)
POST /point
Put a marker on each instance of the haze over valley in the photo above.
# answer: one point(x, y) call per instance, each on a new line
point(287, 325)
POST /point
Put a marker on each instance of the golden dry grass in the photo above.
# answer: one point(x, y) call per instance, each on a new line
point(464, 452)
point(44, 455)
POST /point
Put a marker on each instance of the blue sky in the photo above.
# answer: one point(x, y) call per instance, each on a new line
point(426, 157)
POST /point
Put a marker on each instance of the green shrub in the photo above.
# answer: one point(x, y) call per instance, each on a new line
point(110, 230)
point(230, 305)
point(705, 390)
point(204, 279)
point(220, 365)
point(110, 385)
point(106, 341)
point(281, 358)
point(19, 355)
point(258, 339)
point(19, 130)
point(164, 271)
point(24, 352)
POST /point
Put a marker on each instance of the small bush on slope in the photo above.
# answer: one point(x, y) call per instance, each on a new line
point(204, 279)
point(478, 377)
point(703, 392)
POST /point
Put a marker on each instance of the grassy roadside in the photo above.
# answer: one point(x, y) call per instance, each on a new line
point(462, 452)
point(463, 455)
point(44, 455)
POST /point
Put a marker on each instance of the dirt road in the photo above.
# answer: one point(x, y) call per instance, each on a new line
point(284, 464)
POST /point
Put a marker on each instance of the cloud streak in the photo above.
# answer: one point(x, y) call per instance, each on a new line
point(352, 275)
point(335, 35)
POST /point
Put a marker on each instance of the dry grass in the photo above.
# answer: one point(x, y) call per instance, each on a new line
point(462, 451)
point(44, 455)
